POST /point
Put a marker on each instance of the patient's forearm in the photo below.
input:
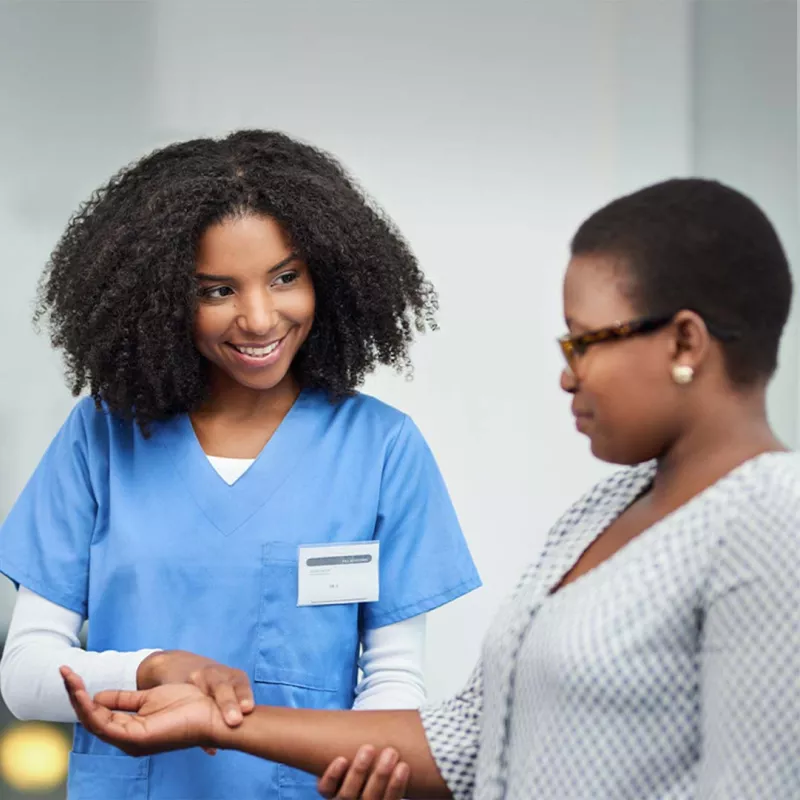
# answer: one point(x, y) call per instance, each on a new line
point(309, 740)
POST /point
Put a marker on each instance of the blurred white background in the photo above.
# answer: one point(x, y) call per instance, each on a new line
point(488, 130)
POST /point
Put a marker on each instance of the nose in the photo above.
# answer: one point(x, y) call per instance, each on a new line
point(257, 313)
point(568, 381)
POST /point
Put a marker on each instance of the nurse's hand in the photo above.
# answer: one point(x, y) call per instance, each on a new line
point(370, 776)
point(230, 688)
point(174, 717)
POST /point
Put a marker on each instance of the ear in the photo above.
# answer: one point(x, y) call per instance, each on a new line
point(692, 342)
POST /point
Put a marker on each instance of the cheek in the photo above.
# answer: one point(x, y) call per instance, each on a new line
point(627, 398)
point(300, 307)
point(631, 377)
point(209, 324)
point(626, 388)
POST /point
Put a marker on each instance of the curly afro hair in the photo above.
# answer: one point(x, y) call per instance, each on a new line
point(119, 291)
point(692, 243)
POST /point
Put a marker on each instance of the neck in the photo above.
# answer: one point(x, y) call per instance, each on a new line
point(731, 430)
point(236, 402)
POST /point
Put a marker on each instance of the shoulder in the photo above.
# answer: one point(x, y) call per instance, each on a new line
point(374, 418)
point(82, 412)
point(762, 498)
point(96, 430)
point(96, 418)
point(84, 422)
point(767, 478)
point(363, 424)
point(367, 407)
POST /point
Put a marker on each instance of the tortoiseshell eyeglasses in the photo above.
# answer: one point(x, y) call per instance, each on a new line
point(575, 346)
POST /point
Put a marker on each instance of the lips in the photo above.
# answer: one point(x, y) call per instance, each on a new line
point(582, 419)
point(256, 351)
point(257, 355)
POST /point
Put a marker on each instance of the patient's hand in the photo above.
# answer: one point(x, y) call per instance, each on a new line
point(371, 776)
point(170, 717)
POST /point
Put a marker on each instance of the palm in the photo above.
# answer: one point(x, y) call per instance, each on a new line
point(169, 717)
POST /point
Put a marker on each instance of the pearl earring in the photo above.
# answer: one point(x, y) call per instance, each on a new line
point(682, 374)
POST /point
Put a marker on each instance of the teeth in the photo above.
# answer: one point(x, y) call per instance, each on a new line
point(257, 352)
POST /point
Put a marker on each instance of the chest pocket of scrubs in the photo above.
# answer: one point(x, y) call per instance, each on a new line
point(310, 651)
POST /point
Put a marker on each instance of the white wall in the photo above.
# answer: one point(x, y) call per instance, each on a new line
point(744, 132)
point(488, 133)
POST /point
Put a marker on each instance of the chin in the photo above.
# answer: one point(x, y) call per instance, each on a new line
point(256, 380)
point(259, 384)
point(611, 455)
point(623, 458)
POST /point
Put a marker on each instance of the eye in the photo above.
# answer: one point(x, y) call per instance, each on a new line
point(287, 278)
point(216, 292)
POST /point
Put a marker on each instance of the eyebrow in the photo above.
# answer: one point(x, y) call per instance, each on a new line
point(205, 276)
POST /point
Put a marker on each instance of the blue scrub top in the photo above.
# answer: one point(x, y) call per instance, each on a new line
point(144, 538)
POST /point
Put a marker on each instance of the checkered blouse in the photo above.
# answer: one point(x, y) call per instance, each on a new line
point(670, 671)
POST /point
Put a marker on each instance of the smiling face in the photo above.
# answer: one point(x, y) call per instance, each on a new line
point(256, 302)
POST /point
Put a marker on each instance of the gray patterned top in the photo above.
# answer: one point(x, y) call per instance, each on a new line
point(671, 671)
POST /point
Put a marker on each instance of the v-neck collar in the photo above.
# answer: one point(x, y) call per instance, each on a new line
point(229, 506)
point(635, 482)
point(602, 512)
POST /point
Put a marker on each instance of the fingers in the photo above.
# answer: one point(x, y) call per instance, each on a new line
point(329, 783)
point(229, 688)
point(357, 774)
point(379, 778)
point(113, 726)
point(225, 697)
point(93, 716)
point(397, 787)
point(369, 777)
point(72, 680)
point(117, 700)
point(108, 700)
point(76, 691)
point(78, 696)
point(244, 692)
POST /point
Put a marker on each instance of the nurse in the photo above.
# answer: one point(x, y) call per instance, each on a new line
point(224, 508)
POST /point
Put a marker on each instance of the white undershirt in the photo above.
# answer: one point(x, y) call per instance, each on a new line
point(230, 469)
point(43, 636)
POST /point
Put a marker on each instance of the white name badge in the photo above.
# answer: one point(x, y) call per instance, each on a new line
point(337, 573)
